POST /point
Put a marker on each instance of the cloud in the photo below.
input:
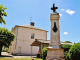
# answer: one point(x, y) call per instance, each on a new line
point(62, 9)
point(70, 11)
point(60, 14)
point(65, 33)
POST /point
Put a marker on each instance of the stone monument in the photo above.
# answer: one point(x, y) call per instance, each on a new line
point(54, 51)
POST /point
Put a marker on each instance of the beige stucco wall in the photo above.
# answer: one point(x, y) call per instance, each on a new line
point(26, 48)
point(24, 40)
point(11, 47)
point(25, 33)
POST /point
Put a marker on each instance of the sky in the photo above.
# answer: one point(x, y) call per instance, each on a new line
point(20, 12)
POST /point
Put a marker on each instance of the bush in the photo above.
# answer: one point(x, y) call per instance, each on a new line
point(75, 52)
point(6, 49)
point(66, 51)
point(66, 47)
point(44, 53)
point(66, 55)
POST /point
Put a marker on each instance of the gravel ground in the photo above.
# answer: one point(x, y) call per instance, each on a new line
point(7, 55)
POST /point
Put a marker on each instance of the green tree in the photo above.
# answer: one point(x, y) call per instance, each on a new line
point(75, 52)
point(66, 47)
point(66, 55)
point(68, 42)
point(2, 13)
point(6, 37)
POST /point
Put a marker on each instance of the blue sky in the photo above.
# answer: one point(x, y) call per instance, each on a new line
point(20, 11)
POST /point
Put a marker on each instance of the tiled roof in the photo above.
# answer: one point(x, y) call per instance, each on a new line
point(66, 43)
point(31, 27)
point(47, 41)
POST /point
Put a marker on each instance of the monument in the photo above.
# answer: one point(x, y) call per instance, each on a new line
point(54, 51)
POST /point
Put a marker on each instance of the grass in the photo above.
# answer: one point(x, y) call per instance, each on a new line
point(18, 59)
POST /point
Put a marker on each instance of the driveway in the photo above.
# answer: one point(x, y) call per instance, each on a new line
point(7, 55)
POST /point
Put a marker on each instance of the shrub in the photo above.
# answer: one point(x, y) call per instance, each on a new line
point(66, 55)
point(44, 53)
point(5, 50)
point(75, 52)
point(66, 47)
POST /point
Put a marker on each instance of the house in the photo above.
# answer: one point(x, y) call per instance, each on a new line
point(25, 35)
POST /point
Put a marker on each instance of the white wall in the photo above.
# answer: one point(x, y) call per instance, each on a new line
point(26, 48)
point(24, 40)
point(12, 47)
point(25, 33)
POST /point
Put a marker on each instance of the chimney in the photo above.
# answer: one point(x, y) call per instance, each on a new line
point(32, 23)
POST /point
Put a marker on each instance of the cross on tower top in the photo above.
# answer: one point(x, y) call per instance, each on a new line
point(54, 8)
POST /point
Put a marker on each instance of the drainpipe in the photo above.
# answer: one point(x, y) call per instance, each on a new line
point(31, 51)
point(16, 37)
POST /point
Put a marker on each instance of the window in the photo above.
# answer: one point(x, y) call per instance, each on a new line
point(32, 36)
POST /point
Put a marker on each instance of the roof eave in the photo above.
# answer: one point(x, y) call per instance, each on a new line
point(30, 28)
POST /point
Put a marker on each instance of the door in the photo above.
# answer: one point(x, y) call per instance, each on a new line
point(19, 50)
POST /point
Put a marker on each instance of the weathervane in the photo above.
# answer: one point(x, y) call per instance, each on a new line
point(30, 19)
point(54, 8)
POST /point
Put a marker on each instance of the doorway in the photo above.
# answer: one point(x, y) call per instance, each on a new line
point(19, 50)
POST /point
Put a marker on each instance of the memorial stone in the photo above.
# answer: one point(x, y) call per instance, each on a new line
point(54, 51)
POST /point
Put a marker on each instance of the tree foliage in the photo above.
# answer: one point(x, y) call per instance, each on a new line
point(66, 47)
point(5, 50)
point(44, 53)
point(68, 42)
point(2, 13)
point(66, 55)
point(6, 37)
point(75, 52)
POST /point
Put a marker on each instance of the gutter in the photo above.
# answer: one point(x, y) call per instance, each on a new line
point(16, 38)
point(30, 28)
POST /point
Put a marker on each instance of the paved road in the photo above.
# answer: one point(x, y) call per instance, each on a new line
point(7, 55)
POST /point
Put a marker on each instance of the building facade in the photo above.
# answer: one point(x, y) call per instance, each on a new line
point(25, 35)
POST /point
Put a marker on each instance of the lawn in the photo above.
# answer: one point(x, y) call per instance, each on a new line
point(18, 59)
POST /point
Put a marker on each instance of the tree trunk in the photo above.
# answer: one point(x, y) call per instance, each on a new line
point(0, 50)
